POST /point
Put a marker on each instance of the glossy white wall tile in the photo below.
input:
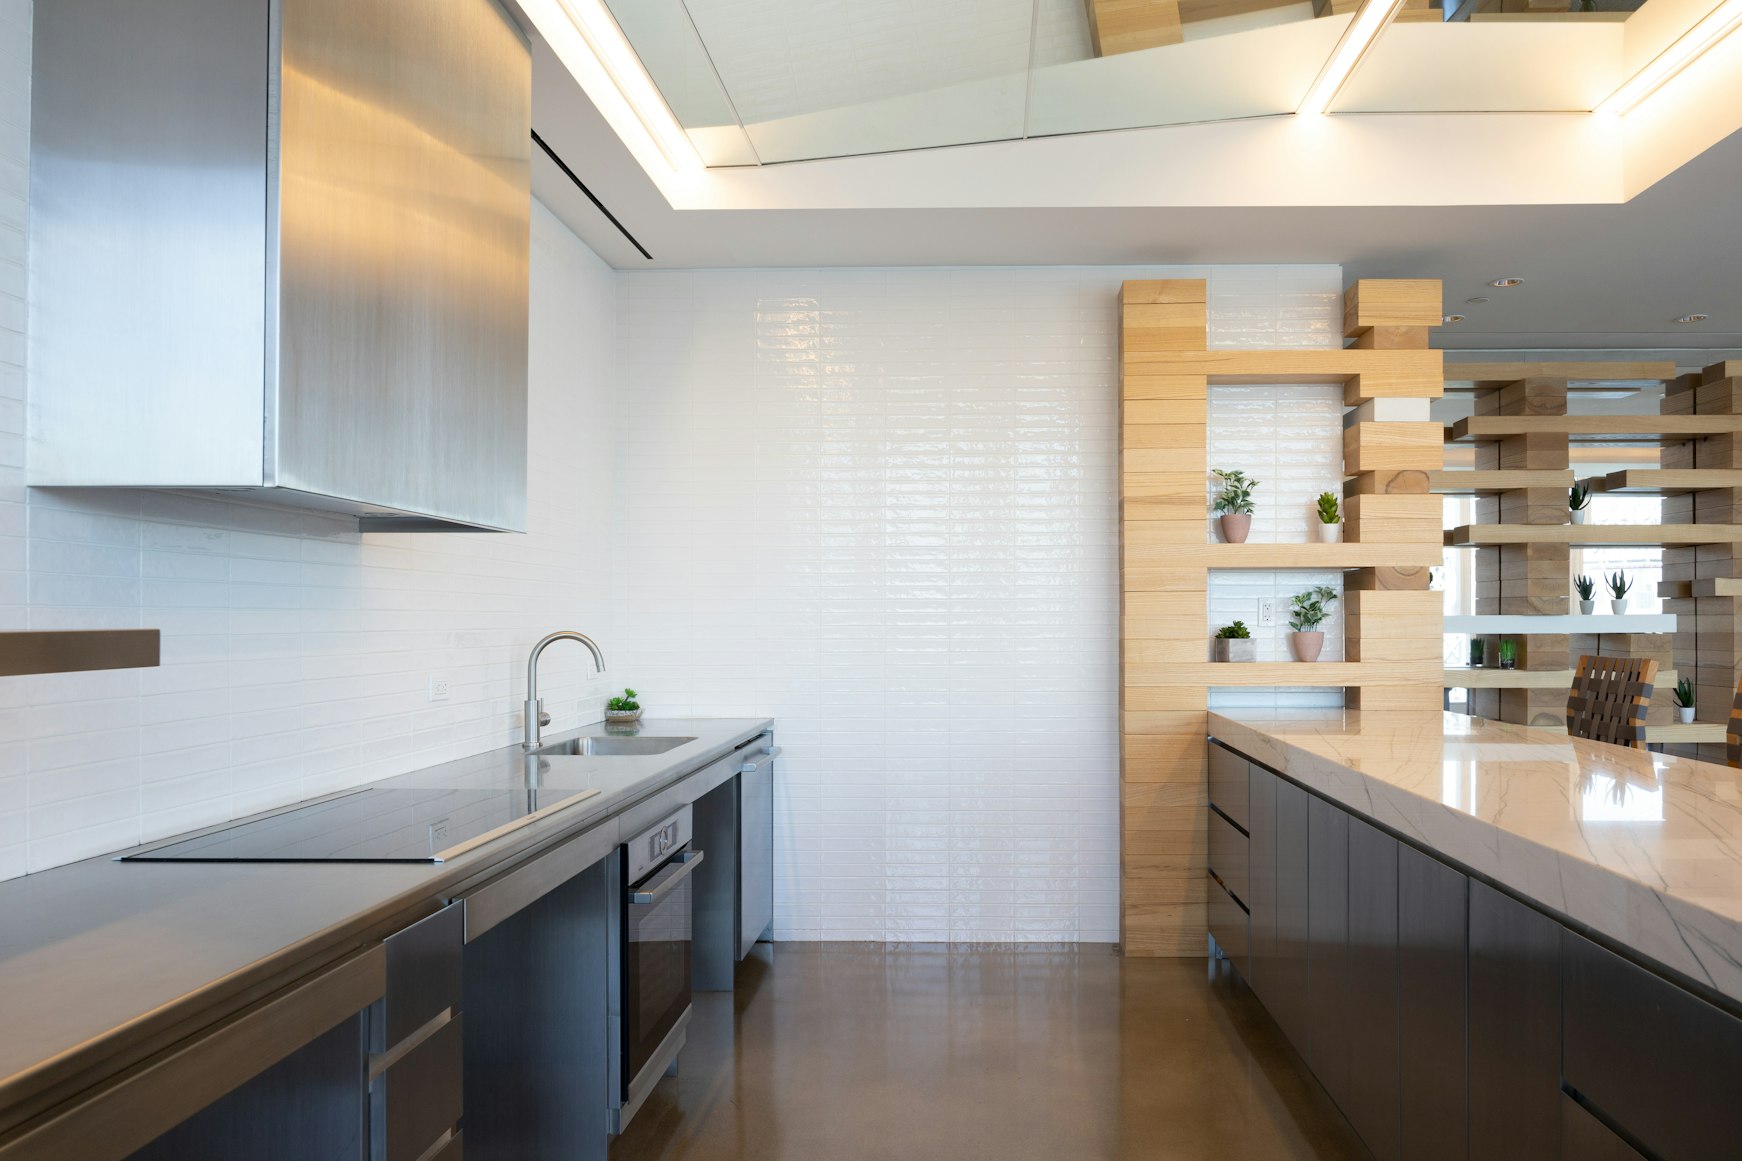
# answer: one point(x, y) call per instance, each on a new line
point(881, 505)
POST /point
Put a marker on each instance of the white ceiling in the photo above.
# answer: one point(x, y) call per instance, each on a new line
point(1613, 275)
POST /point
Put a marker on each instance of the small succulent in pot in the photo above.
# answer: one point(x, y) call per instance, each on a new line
point(1309, 613)
point(1509, 655)
point(1587, 589)
point(1684, 700)
point(1330, 518)
point(1579, 503)
point(623, 709)
point(1234, 643)
point(1234, 503)
point(1619, 586)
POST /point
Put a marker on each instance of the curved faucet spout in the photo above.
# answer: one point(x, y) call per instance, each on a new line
point(535, 719)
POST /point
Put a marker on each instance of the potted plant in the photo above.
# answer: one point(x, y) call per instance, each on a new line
point(1619, 587)
point(1235, 505)
point(1330, 519)
point(623, 709)
point(1234, 643)
point(1587, 593)
point(1309, 614)
point(1684, 700)
point(1509, 655)
point(1579, 503)
point(1478, 653)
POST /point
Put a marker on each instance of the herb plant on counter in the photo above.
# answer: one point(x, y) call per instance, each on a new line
point(1309, 613)
point(1234, 503)
point(623, 709)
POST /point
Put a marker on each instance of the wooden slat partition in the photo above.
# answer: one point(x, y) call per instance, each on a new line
point(1393, 642)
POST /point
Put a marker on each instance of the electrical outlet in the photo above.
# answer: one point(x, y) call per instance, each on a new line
point(1267, 613)
point(438, 689)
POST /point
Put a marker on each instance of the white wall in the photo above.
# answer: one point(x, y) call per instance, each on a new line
point(881, 505)
point(296, 652)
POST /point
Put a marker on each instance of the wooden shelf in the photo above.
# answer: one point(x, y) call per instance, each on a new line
point(1714, 587)
point(1596, 428)
point(1470, 483)
point(1518, 623)
point(1594, 534)
point(1659, 482)
point(1644, 372)
point(1409, 373)
point(1357, 674)
point(1306, 556)
point(1694, 734)
point(1486, 678)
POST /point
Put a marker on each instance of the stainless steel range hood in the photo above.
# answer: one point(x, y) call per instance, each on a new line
point(279, 247)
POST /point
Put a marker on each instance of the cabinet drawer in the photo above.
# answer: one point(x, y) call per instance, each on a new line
point(1585, 1138)
point(1228, 787)
point(1230, 927)
point(418, 1097)
point(424, 976)
point(1229, 850)
point(1655, 1060)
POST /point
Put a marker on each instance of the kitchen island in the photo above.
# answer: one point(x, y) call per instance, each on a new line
point(1486, 939)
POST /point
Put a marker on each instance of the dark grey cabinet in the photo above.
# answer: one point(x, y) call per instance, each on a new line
point(1653, 1060)
point(1514, 1030)
point(1327, 1044)
point(1432, 928)
point(1371, 998)
point(1293, 902)
point(1265, 975)
point(1588, 1139)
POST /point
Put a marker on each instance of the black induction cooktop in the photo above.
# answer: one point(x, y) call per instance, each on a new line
point(370, 825)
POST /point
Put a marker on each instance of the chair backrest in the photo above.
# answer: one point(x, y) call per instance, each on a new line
point(1608, 700)
point(1733, 731)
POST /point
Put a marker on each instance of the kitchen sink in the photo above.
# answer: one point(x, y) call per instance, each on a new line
point(603, 746)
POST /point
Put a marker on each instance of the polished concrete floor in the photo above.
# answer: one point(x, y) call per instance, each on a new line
point(866, 1052)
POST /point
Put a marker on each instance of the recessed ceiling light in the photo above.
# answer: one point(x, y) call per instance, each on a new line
point(1693, 318)
point(1505, 283)
point(1477, 301)
point(1452, 318)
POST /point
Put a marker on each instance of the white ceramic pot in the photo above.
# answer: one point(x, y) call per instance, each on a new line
point(1236, 649)
point(622, 717)
point(1235, 526)
point(1308, 645)
point(1587, 607)
point(1685, 713)
point(1330, 533)
point(1579, 514)
point(1618, 607)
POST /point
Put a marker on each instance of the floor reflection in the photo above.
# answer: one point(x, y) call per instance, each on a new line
point(846, 1052)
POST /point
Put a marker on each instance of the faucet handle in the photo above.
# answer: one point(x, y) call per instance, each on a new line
point(543, 719)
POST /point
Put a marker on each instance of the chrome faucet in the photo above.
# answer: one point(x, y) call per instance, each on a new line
point(536, 718)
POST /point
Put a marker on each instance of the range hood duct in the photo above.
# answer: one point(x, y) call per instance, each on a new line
point(279, 249)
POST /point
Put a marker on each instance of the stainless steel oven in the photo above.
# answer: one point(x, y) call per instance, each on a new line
point(655, 971)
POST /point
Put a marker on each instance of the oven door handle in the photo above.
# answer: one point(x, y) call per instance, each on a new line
point(767, 756)
point(675, 872)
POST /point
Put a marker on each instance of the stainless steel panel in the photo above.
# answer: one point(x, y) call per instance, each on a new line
point(1228, 857)
point(404, 217)
point(424, 976)
point(76, 650)
point(756, 851)
point(1229, 791)
point(505, 897)
point(148, 145)
point(714, 902)
point(420, 1098)
point(656, 844)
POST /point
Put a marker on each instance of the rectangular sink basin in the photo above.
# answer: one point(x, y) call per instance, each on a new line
point(604, 746)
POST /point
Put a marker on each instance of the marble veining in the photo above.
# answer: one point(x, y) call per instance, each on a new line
point(1643, 848)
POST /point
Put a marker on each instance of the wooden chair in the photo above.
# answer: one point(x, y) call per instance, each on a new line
point(1733, 731)
point(1608, 699)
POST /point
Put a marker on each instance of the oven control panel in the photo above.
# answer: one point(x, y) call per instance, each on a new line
point(652, 847)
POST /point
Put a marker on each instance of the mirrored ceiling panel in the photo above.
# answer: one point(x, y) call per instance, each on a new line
point(665, 40)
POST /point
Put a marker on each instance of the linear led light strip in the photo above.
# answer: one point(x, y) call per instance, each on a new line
point(612, 53)
point(1369, 22)
point(1687, 48)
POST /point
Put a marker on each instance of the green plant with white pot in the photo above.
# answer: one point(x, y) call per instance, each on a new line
point(1330, 518)
point(623, 709)
point(1579, 503)
point(1234, 504)
point(1309, 613)
point(1234, 643)
point(1619, 586)
point(1587, 590)
point(1684, 700)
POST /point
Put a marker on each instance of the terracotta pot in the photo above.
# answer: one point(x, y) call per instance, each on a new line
point(1308, 645)
point(1330, 533)
point(1617, 607)
point(1236, 649)
point(1587, 607)
point(1235, 526)
point(1579, 514)
point(1685, 713)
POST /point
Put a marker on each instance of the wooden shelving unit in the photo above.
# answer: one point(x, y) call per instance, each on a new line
point(1393, 639)
point(1477, 483)
point(1596, 428)
point(1594, 535)
point(1661, 482)
point(1682, 590)
point(1487, 678)
point(1494, 375)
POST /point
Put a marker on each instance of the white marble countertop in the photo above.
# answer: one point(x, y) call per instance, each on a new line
point(1643, 848)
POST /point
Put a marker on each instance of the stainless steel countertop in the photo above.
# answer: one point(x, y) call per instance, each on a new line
point(104, 963)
